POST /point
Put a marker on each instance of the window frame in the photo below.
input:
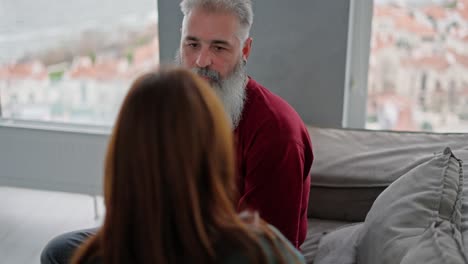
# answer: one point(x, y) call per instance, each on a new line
point(357, 63)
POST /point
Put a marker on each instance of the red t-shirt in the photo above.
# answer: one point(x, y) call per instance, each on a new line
point(274, 156)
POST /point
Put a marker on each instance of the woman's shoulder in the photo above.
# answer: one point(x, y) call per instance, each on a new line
point(279, 241)
point(273, 243)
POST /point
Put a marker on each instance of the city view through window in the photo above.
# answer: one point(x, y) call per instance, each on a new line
point(418, 69)
point(73, 61)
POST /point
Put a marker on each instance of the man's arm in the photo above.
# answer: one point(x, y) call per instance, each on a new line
point(276, 171)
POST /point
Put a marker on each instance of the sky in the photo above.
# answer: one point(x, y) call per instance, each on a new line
point(32, 25)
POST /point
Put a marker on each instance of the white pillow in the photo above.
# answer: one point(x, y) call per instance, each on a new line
point(398, 218)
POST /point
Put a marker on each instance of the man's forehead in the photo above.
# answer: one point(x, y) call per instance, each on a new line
point(210, 41)
point(210, 26)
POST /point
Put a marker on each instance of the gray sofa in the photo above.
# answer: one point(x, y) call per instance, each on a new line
point(387, 193)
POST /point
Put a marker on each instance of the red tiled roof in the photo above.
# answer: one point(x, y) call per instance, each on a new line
point(144, 57)
point(405, 109)
point(465, 38)
point(405, 22)
point(462, 8)
point(146, 52)
point(464, 92)
point(379, 42)
point(461, 59)
point(436, 62)
point(435, 11)
point(410, 25)
point(388, 11)
point(101, 70)
point(459, 34)
point(32, 70)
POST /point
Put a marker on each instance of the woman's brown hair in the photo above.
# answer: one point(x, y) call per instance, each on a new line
point(169, 183)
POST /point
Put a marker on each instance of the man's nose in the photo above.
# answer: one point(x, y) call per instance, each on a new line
point(204, 58)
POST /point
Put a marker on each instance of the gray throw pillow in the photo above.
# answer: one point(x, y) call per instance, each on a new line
point(339, 246)
point(465, 210)
point(430, 193)
point(440, 244)
point(463, 155)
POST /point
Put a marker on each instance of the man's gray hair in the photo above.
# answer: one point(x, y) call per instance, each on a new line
point(242, 9)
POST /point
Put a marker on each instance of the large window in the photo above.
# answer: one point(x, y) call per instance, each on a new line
point(418, 69)
point(73, 61)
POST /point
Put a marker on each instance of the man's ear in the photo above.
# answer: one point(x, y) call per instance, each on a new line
point(246, 48)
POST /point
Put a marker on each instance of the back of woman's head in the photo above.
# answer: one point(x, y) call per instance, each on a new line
point(169, 168)
point(169, 181)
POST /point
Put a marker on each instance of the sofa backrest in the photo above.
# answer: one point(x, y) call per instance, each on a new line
point(352, 167)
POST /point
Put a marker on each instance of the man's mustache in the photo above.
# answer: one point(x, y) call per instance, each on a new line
point(206, 72)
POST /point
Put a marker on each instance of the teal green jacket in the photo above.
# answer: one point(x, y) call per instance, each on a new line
point(290, 253)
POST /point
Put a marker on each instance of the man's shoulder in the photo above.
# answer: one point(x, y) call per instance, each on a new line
point(260, 94)
point(268, 110)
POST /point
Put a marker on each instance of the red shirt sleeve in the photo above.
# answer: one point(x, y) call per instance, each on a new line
point(276, 171)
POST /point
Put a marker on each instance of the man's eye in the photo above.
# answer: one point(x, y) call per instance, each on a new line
point(192, 45)
point(217, 48)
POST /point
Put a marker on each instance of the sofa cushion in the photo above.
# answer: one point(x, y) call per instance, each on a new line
point(352, 167)
point(441, 243)
point(463, 155)
point(316, 229)
point(430, 193)
point(339, 246)
point(345, 204)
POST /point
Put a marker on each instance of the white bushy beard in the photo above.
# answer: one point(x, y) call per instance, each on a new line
point(230, 90)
